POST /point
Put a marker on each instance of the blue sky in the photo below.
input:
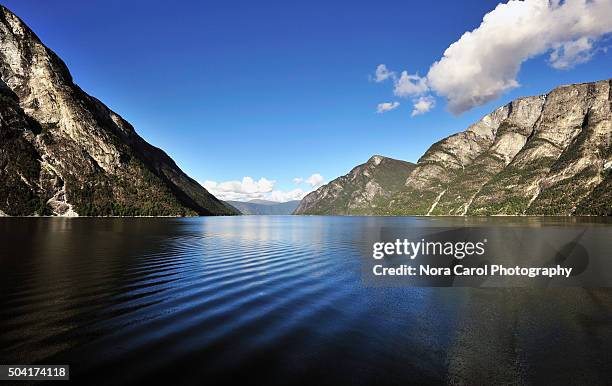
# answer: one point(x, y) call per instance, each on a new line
point(279, 89)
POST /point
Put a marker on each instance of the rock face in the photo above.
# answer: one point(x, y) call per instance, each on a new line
point(544, 155)
point(364, 190)
point(63, 152)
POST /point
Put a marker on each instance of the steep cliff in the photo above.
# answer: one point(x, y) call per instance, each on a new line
point(63, 152)
point(543, 155)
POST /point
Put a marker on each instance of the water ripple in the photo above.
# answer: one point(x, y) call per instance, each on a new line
point(272, 299)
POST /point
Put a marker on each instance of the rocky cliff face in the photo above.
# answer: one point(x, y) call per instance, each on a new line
point(63, 152)
point(544, 155)
point(364, 190)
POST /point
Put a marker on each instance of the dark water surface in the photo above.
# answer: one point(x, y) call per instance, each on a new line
point(277, 300)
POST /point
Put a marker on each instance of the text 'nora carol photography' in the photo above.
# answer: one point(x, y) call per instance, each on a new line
point(460, 270)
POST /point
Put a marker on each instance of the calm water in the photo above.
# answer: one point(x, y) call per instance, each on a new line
point(277, 300)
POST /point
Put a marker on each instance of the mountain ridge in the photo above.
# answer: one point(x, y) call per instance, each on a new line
point(366, 186)
point(540, 155)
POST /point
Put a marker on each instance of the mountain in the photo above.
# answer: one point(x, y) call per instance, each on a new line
point(63, 152)
point(542, 155)
point(263, 207)
point(366, 189)
point(262, 202)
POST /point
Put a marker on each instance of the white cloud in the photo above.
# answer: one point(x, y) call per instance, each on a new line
point(386, 106)
point(263, 189)
point(423, 105)
point(484, 63)
point(248, 188)
point(284, 196)
point(409, 85)
point(566, 55)
point(382, 73)
point(315, 180)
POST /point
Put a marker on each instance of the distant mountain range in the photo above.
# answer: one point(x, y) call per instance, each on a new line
point(63, 152)
point(543, 155)
point(264, 207)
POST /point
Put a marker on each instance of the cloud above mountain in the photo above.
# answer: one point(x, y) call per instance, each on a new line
point(484, 63)
point(410, 85)
point(386, 106)
point(382, 73)
point(250, 189)
point(315, 180)
point(423, 104)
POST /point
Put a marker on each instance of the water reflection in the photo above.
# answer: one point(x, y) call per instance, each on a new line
point(278, 300)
